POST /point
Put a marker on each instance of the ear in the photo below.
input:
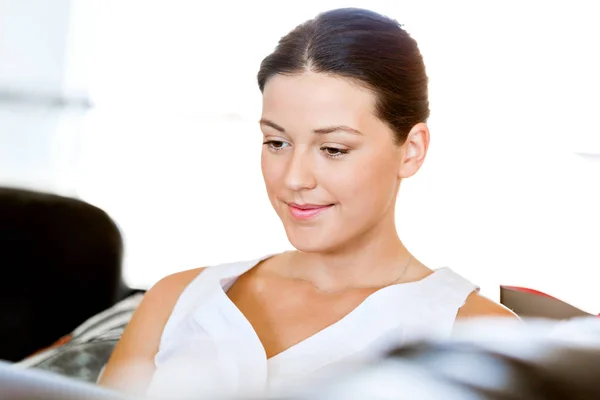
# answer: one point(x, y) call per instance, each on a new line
point(414, 150)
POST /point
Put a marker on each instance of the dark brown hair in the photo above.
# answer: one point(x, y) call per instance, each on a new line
point(367, 48)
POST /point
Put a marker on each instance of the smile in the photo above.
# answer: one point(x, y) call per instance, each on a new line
point(307, 211)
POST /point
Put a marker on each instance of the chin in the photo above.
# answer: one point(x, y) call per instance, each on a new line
point(312, 240)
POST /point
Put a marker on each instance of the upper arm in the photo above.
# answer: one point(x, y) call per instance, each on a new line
point(477, 305)
point(131, 364)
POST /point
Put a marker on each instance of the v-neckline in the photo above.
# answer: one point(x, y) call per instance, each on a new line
point(224, 283)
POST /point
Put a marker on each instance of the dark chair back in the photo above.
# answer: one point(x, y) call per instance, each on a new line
point(60, 261)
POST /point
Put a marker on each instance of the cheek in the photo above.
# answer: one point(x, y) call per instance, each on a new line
point(366, 184)
point(271, 171)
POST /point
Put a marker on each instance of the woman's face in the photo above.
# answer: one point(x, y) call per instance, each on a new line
point(331, 167)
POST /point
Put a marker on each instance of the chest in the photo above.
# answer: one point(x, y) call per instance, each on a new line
point(285, 313)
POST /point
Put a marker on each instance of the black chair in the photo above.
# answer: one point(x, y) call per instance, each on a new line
point(61, 263)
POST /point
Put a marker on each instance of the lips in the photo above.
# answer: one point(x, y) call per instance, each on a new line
point(307, 211)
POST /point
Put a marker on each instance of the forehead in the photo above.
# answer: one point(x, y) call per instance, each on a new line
point(317, 99)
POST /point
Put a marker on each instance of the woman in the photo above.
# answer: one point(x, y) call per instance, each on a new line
point(344, 109)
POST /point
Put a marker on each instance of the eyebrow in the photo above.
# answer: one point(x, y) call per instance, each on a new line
point(320, 131)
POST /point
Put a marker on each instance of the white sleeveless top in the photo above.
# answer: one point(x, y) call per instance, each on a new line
point(209, 347)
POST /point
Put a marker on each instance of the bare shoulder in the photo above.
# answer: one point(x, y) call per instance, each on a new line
point(477, 305)
point(169, 288)
point(158, 302)
point(133, 357)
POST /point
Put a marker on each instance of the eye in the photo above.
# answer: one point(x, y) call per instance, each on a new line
point(276, 145)
point(333, 152)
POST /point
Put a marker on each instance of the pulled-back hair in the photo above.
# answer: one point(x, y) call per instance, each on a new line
point(367, 48)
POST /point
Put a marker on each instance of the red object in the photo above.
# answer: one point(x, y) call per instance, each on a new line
point(527, 302)
point(527, 290)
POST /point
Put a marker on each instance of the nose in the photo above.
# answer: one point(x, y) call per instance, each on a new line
point(300, 174)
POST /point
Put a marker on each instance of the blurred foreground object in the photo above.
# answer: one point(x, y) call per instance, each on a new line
point(16, 384)
point(486, 360)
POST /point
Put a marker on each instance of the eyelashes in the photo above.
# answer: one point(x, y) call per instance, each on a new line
point(275, 145)
point(333, 152)
point(328, 151)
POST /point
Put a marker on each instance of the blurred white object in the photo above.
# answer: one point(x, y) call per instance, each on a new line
point(487, 359)
point(582, 331)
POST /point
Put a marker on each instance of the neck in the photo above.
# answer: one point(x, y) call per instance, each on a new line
point(376, 259)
